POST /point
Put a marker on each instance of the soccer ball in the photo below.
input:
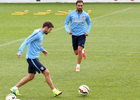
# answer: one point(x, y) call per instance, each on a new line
point(83, 90)
point(10, 97)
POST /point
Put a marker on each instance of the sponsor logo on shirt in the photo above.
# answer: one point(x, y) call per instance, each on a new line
point(78, 21)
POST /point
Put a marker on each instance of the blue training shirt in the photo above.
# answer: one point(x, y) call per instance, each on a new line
point(34, 42)
point(78, 23)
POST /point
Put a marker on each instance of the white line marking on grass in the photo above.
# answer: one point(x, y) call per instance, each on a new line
point(113, 13)
point(58, 29)
point(12, 42)
point(25, 38)
point(63, 27)
point(128, 52)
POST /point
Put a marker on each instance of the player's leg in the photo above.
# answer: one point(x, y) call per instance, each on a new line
point(75, 44)
point(50, 83)
point(79, 54)
point(42, 69)
point(76, 52)
point(48, 78)
point(75, 48)
point(29, 77)
point(25, 79)
point(81, 43)
point(21, 83)
point(79, 58)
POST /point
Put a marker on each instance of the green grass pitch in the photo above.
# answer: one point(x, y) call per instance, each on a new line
point(112, 67)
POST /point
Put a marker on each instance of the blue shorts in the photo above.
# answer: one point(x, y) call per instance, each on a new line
point(78, 41)
point(34, 65)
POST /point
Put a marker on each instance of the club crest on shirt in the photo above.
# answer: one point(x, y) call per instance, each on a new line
point(40, 43)
point(83, 17)
point(42, 68)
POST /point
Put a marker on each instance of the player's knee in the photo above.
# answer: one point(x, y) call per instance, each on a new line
point(76, 53)
point(79, 50)
point(46, 72)
point(31, 77)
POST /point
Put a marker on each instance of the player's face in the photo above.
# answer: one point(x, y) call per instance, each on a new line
point(48, 30)
point(79, 6)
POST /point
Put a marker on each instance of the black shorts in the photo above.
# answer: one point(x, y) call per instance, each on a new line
point(78, 41)
point(34, 65)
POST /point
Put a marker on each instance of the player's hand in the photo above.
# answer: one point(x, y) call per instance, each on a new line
point(70, 33)
point(86, 34)
point(45, 52)
point(18, 55)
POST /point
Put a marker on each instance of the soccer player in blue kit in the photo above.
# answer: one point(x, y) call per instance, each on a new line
point(34, 42)
point(78, 29)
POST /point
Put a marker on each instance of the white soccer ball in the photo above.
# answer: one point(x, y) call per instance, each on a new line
point(83, 90)
point(10, 97)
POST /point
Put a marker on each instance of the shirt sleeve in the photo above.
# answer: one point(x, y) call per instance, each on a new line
point(41, 49)
point(88, 24)
point(27, 41)
point(23, 45)
point(67, 23)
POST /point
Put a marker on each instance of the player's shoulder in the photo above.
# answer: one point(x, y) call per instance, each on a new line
point(36, 32)
point(72, 12)
point(84, 12)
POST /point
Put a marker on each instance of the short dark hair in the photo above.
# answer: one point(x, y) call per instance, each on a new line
point(79, 1)
point(48, 23)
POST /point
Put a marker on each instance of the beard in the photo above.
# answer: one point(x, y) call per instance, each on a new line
point(46, 33)
point(79, 10)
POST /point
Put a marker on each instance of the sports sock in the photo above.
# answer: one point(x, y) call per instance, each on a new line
point(83, 52)
point(15, 88)
point(54, 90)
point(78, 65)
